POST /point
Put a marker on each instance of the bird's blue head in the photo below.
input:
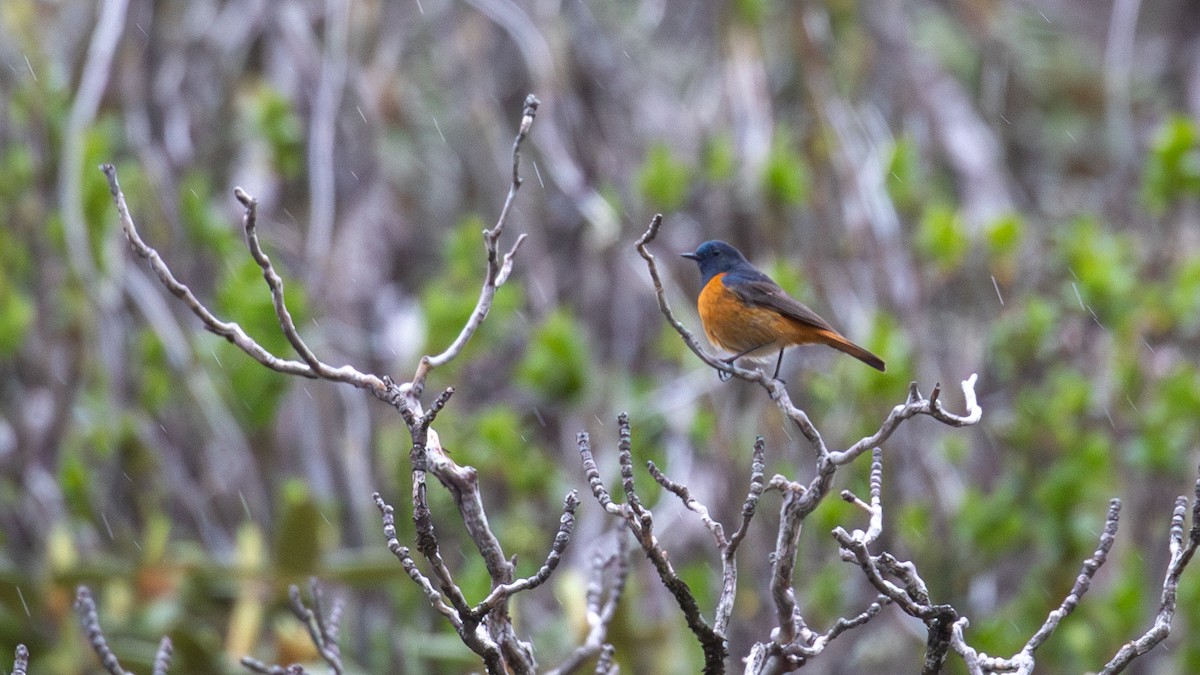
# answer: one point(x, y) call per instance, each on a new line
point(715, 257)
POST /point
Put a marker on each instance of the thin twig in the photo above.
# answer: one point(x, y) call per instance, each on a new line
point(840, 626)
point(610, 567)
point(322, 633)
point(162, 658)
point(565, 527)
point(260, 667)
point(595, 482)
point(410, 567)
point(309, 367)
point(604, 664)
point(21, 661)
point(729, 572)
point(498, 269)
point(680, 490)
point(85, 607)
point(875, 508)
point(640, 522)
point(1182, 550)
point(1082, 582)
point(916, 405)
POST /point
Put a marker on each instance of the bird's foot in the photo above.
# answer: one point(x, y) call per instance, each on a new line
point(724, 375)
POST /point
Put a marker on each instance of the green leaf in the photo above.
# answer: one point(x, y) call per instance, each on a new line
point(942, 237)
point(243, 296)
point(1184, 294)
point(904, 178)
point(663, 179)
point(298, 546)
point(272, 118)
point(16, 315)
point(720, 161)
point(1172, 168)
point(785, 176)
point(1004, 234)
point(209, 229)
point(556, 364)
point(1105, 265)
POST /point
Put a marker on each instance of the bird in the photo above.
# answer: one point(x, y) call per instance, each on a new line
point(745, 312)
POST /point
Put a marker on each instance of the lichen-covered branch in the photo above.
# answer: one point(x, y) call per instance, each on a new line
point(1082, 582)
point(162, 658)
point(610, 567)
point(566, 526)
point(21, 660)
point(640, 522)
point(1182, 549)
point(410, 567)
point(322, 628)
point(85, 607)
point(946, 628)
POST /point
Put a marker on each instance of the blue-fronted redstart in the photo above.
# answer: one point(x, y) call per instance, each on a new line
point(745, 312)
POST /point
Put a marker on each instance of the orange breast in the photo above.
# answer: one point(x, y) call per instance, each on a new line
point(734, 326)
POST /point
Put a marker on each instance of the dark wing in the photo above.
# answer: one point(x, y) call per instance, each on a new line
point(760, 291)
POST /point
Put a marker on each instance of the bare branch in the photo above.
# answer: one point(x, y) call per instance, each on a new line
point(820, 642)
point(729, 572)
point(625, 460)
point(1083, 582)
point(427, 542)
point(913, 598)
point(162, 658)
point(605, 584)
point(915, 405)
point(875, 508)
point(498, 644)
point(977, 664)
point(692, 504)
point(565, 527)
point(21, 661)
point(604, 664)
point(410, 567)
point(791, 515)
point(1182, 550)
point(322, 631)
point(310, 367)
point(85, 607)
point(757, 483)
point(843, 625)
point(260, 667)
point(498, 268)
point(592, 473)
point(640, 522)
point(230, 331)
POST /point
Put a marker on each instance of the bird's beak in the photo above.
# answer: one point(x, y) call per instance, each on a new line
point(690, 256)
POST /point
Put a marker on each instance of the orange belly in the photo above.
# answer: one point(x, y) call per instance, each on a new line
point(734, 326)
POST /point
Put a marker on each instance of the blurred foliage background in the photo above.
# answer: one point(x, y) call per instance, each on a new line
point(1008, 188)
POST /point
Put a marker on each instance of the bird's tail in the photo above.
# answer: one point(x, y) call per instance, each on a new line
point(841, 344)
